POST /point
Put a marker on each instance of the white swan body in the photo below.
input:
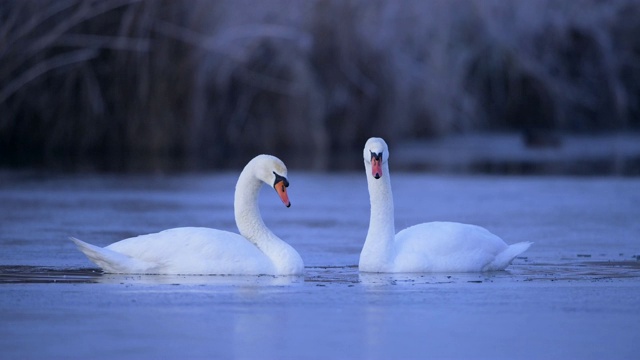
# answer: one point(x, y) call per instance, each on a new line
point(427, 247)
point(194, 250)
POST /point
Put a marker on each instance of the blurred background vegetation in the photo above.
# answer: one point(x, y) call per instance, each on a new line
point(145, 85)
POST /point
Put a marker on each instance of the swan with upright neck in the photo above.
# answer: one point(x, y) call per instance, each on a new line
point(426, 247)
point(204, 251)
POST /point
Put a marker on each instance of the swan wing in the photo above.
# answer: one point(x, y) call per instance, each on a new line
point(446, 246)
point(503, 259)
point(188, 250)
point(112, 261)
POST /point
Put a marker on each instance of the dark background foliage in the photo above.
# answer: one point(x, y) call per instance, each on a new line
point(145, 85)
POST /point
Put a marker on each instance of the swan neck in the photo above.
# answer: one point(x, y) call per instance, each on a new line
point(378, 247)
point(247, 213)
point(285, 259)
point(381, 220)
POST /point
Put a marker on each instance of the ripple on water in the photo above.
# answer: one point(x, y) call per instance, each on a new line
point(335, 275)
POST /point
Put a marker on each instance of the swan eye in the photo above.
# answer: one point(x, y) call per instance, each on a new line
point(377, 157)
point(279, 178)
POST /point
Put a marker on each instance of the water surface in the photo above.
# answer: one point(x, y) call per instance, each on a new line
point(573, 294)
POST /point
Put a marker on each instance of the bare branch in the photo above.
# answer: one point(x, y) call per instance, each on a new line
point(223, 42)
point(43, 67)
point(103, 42)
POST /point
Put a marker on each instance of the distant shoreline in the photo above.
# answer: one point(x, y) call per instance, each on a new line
point(507, 153)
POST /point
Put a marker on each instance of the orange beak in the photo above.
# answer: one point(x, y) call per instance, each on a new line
point(376, 168)
point(281, 189)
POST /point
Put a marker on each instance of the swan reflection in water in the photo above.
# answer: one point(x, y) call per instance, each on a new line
point(411, 279)
point(18, 274)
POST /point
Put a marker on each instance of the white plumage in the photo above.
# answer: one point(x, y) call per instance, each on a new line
point(194, 250)
point(426, 247)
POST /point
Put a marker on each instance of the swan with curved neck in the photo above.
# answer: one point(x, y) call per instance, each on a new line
point(426, 247)
point(195, 250)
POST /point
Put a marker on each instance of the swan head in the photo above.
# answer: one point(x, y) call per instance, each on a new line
point(375, 154)
point(272, 171)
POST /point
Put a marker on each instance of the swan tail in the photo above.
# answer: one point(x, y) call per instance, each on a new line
point(505, 258)
point(111, 261)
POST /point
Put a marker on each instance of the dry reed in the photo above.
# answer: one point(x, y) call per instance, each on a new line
point(128, 84)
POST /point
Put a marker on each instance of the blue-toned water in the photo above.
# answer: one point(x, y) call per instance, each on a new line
point(573, 294)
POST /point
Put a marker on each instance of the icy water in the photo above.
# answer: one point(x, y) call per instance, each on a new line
point(575, 294)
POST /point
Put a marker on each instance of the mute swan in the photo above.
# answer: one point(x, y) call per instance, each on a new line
point(427, 247)
point(194, 250)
